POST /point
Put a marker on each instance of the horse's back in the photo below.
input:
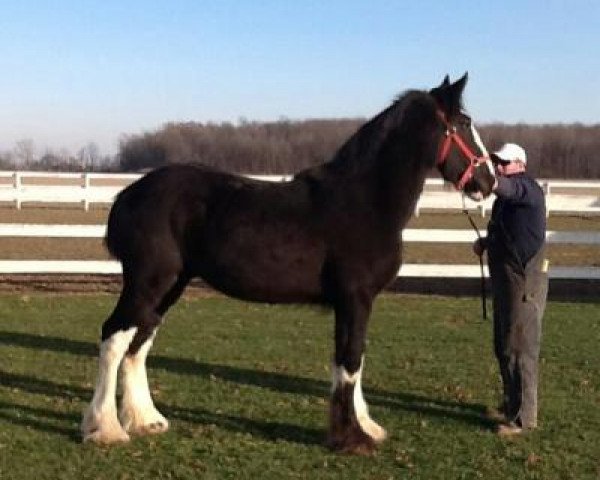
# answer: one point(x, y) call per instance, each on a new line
point(251, 239)
point(150, 204)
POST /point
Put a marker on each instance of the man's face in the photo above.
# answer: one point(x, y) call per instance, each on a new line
point(507, 168)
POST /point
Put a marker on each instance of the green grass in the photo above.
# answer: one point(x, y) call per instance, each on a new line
point(245, 388)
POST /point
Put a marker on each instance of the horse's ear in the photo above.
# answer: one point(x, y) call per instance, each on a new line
point(459, 85)
point(445, 83)
point(449, 95)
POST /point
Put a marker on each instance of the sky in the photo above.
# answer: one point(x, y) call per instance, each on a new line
point(75, 72)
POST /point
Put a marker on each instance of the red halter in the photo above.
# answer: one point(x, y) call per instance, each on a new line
point(452, 137)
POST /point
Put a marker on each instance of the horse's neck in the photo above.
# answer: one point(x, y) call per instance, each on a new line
point(401, 185)
point(404, 159)
point(389, 162)
point(391, 183)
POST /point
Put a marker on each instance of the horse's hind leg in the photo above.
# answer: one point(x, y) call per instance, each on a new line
point(100, 423)
point(138, 413)
point(129, 330)
point(351, 428)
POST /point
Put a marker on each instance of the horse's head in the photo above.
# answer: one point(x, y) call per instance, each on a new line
point(462, 158)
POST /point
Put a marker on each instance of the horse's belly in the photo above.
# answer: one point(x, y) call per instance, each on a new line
point(282, 271)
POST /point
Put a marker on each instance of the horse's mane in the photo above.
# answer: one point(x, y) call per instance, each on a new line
point(363, 147)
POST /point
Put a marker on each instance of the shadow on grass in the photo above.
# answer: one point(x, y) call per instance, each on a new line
point(40, 419)
point(472, 414)
point(270, 431)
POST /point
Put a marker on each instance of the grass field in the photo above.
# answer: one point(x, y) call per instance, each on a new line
point(245, 388)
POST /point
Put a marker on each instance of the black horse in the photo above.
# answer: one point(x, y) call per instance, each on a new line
point(331, 235)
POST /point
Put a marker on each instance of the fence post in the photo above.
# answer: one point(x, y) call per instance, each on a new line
point(17, 188)
point(546, 189)
point(85, 185)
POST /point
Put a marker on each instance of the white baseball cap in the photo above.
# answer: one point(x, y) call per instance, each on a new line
point(511, 152)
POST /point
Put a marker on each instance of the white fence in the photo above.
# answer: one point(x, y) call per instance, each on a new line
point(41, 187)
point(18, 188)
point(562, 196)
point(408, 235)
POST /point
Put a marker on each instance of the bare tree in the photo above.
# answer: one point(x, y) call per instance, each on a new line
point(89, 156)
point(553, 151)
point(7, 160)
point(24, 153)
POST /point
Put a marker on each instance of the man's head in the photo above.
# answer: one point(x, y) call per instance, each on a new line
point(510, 159)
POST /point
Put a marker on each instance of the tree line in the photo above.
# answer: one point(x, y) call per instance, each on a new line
point(285, 146)
point(88, 158)
point(554, 151)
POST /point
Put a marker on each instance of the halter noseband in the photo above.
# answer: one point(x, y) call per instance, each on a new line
point(452, 137)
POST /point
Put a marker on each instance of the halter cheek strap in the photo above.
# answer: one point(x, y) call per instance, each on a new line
point(453, 137)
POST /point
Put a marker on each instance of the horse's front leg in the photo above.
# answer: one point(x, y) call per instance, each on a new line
point(351, 428)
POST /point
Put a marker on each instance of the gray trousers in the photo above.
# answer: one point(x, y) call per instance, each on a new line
point(519, 302)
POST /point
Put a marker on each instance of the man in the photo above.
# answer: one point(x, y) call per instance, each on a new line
point(516, 244)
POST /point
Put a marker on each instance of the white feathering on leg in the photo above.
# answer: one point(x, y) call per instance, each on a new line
point(100, 423)
point(138, 413)
point(367, 424)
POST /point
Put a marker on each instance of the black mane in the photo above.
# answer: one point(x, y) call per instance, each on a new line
point(401, 118)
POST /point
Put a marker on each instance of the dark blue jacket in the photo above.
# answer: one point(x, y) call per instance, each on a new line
point(518, 222)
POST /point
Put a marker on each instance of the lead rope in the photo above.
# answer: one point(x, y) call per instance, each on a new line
point(483, 293)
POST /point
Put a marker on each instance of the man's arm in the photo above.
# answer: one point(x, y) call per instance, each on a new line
point(511, 188)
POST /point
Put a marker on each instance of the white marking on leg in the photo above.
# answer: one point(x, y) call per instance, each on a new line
point(367, 424)
point(100, 423)
point(341, 377)
point(138, 413)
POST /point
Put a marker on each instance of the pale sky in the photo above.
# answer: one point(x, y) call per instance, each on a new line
point(75, 72)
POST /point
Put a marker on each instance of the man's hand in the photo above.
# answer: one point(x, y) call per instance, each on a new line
point(479, 246)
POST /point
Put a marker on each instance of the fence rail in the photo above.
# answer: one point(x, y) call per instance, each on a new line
point(111, 267)
point(421, 235)
point(18, 188)
point(102, 267)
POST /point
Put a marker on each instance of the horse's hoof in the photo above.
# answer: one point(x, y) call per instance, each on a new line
point(102, 429)
point(354, 442)
point(365, 448)
point(106, 436)
point(145, 421)
point(150, 428)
